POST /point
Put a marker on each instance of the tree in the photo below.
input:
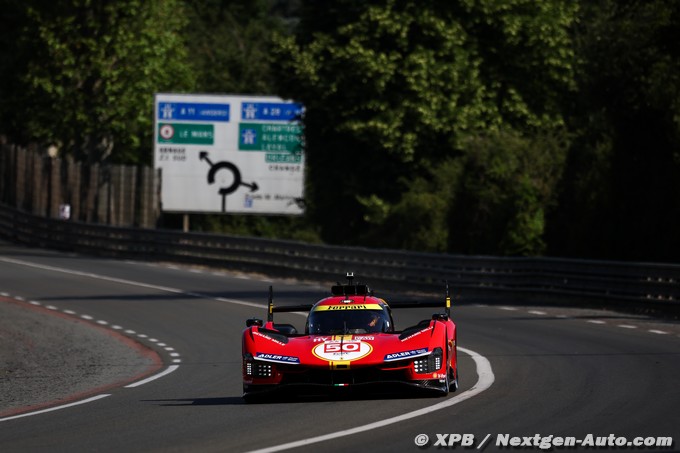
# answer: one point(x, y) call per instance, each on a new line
point(394, 89)
point(229, 43)
point(622, 174)
point(506, 191)
point(93, 68)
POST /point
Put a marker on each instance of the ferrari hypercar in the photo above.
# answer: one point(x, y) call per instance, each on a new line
point(350, 342)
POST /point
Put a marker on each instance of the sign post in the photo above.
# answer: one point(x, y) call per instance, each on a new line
point(229, 154)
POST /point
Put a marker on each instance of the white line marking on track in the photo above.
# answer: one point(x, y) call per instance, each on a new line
point(131, 282)
point(484, 381)
point(595, 321)
point(167, 371)
point(627, 326)
point(91, 275)
point(63, 406)
point(658, 332)
point(537, 312)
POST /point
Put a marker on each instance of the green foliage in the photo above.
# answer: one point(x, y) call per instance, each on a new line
point(419, 220)
point(229, 44)
point(621, 179)
point(94, 67)
point(507, 187)
point(396, 88)
point(276, 227)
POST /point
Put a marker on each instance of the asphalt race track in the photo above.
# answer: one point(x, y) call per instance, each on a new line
point(544, 370)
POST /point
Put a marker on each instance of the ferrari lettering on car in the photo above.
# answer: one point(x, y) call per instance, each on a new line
point(349, 343)
point(405, 354)
point(348, 307)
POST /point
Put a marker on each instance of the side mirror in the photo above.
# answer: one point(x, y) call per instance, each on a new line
point(254, 322)
point(440, 317)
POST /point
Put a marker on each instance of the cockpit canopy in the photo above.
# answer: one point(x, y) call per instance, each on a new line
point(348, 321)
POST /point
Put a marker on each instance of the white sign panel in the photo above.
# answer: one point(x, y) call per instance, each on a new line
point(229, 154)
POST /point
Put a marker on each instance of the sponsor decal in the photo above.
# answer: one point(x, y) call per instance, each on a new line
point(321, 339)
point(349, 337)
point(427, 329)
point(342, 350)
point(258, 334)
point(405, 354)
point(276, 358)
point(348, 307)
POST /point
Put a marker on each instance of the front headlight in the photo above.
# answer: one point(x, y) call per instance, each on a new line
point(429, 363)
point(256, 368)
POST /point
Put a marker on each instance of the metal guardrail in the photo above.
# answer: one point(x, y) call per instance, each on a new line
point(641, 285)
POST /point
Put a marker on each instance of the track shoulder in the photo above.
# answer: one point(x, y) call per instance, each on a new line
point(49, 358)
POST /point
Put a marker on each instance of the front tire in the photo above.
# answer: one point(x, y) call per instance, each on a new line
point(453, 382)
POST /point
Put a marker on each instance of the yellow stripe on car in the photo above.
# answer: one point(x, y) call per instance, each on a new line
point(339, 364)
point(348, 307)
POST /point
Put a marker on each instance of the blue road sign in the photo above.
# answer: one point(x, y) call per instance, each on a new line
point(193, 111)
point(270, 111)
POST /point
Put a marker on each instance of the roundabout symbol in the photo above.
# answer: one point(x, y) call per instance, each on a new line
point(236, 180)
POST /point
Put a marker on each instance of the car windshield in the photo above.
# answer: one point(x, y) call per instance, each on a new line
point(333, 322)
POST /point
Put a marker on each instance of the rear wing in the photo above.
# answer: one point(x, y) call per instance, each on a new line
point(271, 309)
point(358, 290)
point(425, 304)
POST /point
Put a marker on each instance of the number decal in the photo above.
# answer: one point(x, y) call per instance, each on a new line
point(346, 350)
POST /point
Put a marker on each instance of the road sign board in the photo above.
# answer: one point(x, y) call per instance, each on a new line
point(270, 111)
point(179, 133)
point(193, 111)
point(270, 137)
point(215, 160)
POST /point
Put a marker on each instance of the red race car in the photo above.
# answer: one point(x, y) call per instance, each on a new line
point(350, 342)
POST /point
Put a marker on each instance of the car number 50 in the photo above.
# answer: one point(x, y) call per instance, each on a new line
point(341, 347)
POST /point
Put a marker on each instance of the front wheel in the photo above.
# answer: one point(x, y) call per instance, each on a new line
point(453, 380)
